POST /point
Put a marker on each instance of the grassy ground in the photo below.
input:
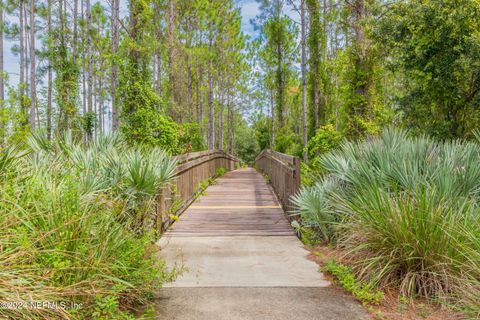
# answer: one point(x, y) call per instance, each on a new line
point(392, 305)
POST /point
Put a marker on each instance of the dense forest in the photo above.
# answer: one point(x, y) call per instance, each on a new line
point(164, 73)
point(183, 74)
point(105, 92)
point(365, 65)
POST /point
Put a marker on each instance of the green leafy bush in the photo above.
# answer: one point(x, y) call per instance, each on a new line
point(75, 227)
point(191, 138)
point(286, 141)
point(220, 172)
point(307, 235)
point(262, 127)
point(247, 140)
point(151, 128)
point(326, 138)
point(362, 291)
point(434, 70)
point(88, 122)
point(406, 210)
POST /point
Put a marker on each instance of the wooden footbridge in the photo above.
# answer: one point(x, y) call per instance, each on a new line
point(241, 257)
point(244, 189)
point(240, 203)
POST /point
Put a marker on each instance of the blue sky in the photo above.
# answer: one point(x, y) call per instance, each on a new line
point(250, 9)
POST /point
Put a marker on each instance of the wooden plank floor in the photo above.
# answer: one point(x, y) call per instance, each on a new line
point(240, 203)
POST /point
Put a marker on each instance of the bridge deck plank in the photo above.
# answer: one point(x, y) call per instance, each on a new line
point(239, 203)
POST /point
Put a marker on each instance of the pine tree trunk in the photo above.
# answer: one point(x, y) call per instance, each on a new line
point(158, 53)
point(114, 80)
point(63, 115)
point(201, 95)
point(280, 76)
point(211, 110)
point(233, 133)
point(2, 80)
point(26, 38)
point(84, 68)
point(33, 97)
point(230, 125)
point(190, 99)
point(304, 79)
point(95, 103)
point(50, 73)
point(171, 48)
point(89, 57)
point(272, 111)
point(100, 102)
point(220, 123)
point(324, 55)
point(313, 7)
point(362, 70)
point(360, 40)
point(335, 74)
point(75, 31)
point(22, 59)
point(198, 97)
point(26, 53)
point(280, 84)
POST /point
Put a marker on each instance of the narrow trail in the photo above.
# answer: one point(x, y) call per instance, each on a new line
point(244, 261)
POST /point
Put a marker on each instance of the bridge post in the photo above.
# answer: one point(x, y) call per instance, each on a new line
point(160, 209)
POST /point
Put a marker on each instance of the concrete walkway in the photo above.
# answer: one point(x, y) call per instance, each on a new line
point(243, 260)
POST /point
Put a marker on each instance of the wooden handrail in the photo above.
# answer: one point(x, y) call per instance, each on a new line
point(285, 158)
point(284, 174)
point(188, 161)
point(192, 169)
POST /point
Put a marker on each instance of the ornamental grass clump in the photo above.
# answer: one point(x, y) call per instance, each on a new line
point(407, 212)
point(75, 227)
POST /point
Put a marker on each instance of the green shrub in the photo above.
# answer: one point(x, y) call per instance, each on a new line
point(326, 138)
point(191, 138)
point(262, 129)
point(246, 148)
point(220, 172)
point(75, 227)
point(362, 291)
point(406, 210)
point(151, 128)
point(88, 122)
point(307, 235)
point(286, 141)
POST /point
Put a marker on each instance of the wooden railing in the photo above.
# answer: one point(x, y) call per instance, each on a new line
point(284, 174)
point(192, 169)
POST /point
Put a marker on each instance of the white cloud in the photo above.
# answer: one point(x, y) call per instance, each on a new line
point(249, 9)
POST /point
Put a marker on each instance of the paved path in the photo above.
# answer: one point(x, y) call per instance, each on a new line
point(244, 261)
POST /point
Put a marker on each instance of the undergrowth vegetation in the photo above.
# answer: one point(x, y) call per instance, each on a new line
point(362, 291)
point(76, 227)
point(406, 212)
